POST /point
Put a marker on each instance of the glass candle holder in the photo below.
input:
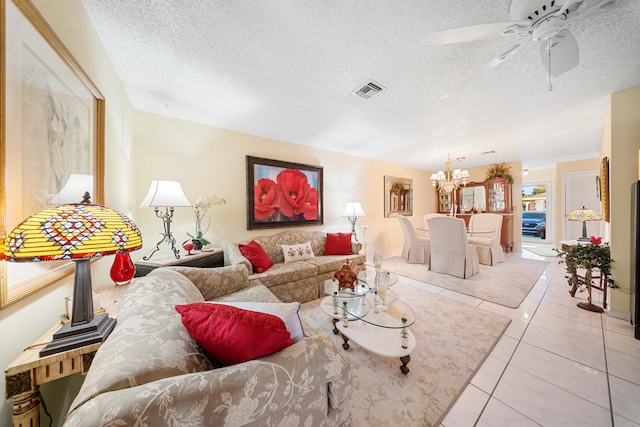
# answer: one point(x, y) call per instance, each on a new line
point(377, 260)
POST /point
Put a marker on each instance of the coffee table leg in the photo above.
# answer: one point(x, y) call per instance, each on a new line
point(405, 361)
point(345, 345)
point(335, 330)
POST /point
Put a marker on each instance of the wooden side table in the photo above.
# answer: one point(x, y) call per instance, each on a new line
point(28, 371)
point(204, 259)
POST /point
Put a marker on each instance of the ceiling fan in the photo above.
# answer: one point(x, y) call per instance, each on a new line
point(542, 21)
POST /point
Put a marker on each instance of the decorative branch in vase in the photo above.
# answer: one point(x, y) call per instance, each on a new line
point(201, 209)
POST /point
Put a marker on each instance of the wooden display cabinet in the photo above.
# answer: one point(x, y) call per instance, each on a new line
point(498, 195)
point(499, 201)
point(444, 201)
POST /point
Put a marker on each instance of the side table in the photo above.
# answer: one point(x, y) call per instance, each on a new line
point(204, 259)
point(28, 371)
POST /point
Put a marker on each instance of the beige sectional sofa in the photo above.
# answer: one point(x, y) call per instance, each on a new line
point(297, 281)
point(151, 372)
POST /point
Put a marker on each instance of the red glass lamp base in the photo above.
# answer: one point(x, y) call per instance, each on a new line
point(123, 269)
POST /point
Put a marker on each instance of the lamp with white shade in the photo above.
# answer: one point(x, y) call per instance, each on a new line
point(168, 195)
point(352, 211)
point(75, 187)
point(75, 232)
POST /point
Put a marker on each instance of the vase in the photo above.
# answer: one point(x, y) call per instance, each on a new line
point(197, 244)
point(123, 269)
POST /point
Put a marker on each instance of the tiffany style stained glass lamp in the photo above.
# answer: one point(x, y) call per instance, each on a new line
point(584, 215)
point(75, 232)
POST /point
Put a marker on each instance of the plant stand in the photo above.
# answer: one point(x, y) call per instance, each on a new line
point(577, 256)
point(600, 284)
point(591, 307)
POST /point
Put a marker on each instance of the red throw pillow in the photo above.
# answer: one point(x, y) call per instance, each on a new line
point(338, 244)
point(233, 335)
point(256, 256)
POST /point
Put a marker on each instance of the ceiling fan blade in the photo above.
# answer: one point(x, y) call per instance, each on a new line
point(567, 4)
point(486, 68)
point(476, 32)
point(602, 6)
point(564, 53)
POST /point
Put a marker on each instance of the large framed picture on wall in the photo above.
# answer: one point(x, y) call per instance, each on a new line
point(283, 194)
point(51, 128)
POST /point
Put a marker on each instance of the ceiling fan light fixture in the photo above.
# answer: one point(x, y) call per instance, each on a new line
point(548, 28)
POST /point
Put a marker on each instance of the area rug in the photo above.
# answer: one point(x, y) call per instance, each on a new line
point(452, 341)
point(506, 283)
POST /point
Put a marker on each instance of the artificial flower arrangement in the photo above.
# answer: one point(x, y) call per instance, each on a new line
point(200, 209)
point(499, 170)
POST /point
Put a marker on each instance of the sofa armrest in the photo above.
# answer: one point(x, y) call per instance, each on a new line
point(291, 383)
point(236, 257)
point(216, 282)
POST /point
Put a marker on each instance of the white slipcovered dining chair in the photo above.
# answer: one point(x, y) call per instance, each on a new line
point(484, 234)
point(416, 250)
point(426, 218)
point(450, 252)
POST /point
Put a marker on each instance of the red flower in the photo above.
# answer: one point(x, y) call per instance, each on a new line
point(294, 190)
point(265, 199)
point(596, 240)
point(311, 203)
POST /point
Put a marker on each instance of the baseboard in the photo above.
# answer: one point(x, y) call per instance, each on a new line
point(620, 315)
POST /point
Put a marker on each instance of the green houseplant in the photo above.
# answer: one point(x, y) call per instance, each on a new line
point(594, 255)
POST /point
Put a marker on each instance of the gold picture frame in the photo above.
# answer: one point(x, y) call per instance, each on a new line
point(398, 196)
point(52, 121)
point(604, 188)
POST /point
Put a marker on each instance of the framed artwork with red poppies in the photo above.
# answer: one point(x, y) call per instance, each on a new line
point(283, 194)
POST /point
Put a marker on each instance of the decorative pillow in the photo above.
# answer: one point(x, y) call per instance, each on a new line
point(288, 312)
point(232, 335)
point(293, 253)
point(256, 256)
point(338, 244)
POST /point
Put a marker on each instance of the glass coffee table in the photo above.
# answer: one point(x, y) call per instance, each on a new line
point(355, 316)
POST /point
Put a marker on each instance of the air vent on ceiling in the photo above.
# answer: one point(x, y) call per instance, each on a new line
point(369, 89)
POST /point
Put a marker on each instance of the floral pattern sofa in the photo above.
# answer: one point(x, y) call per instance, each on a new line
point(296, 281)
point(150, 372)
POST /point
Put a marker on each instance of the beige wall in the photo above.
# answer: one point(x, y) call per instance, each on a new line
point(209, 160)
point(623, 141)
point(22, 323)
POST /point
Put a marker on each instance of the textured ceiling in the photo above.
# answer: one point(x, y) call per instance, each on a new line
point(286, 70)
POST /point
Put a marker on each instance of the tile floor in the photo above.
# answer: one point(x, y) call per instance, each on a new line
point(556, 365)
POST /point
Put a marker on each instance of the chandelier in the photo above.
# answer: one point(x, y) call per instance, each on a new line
point(450, 180)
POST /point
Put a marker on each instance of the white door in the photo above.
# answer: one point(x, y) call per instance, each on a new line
point(580, 189)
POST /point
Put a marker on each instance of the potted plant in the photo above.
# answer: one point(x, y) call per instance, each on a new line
point(200, 209)
point(594, 255)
